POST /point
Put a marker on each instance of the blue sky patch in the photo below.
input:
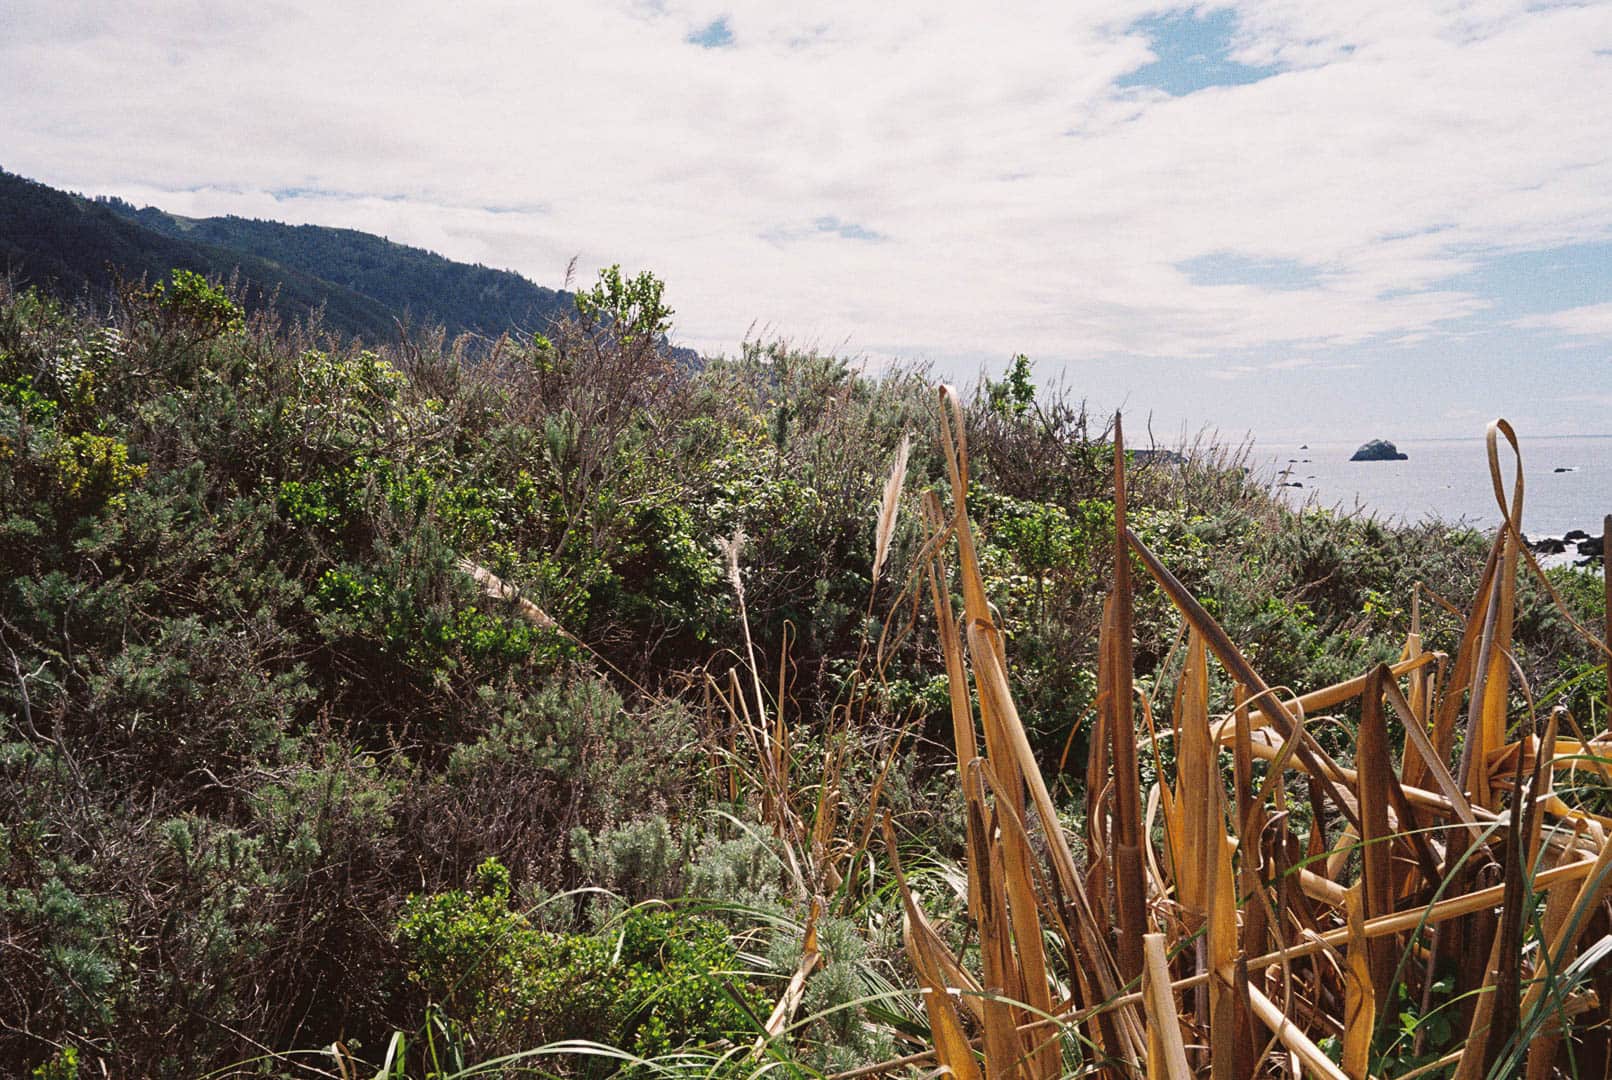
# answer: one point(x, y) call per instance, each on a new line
point(1538, 282)
point(1229, 268)
point(827, 225)
point(846, 230)
point(716, 34)
point(1192, 52)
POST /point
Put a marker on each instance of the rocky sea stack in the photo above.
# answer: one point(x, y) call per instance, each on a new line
point(1379, 450)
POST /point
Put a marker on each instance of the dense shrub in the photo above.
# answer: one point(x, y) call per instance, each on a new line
point(252, 702)
point(654, 981)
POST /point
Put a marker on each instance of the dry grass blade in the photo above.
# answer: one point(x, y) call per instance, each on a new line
point(811, 957)
point(1013, 761)
point(1433, 766)
point(951, 648)
point(1486, 727)
point(1597, 881)
point(1026, 981)
point(1197, 782)
point(1448, 710)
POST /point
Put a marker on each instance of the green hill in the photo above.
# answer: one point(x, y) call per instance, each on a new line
point(77, 248)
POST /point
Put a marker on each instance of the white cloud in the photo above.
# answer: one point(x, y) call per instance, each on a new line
point(1592, 321)
point(1022, 201)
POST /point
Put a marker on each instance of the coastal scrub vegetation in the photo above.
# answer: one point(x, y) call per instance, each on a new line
point(551, 706)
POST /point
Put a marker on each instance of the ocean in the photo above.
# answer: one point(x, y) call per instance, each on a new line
point(1448, 480)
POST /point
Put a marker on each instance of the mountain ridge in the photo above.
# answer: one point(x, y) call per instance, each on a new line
point(361, 285)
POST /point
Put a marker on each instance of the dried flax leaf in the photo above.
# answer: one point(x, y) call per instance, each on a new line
point(962, 709)
point(1581, 872)
point(1313, 1060)
point(1028, 982)
point(1563, 943)
point(1360, 1001)
point(1310, 754)
point(1418, 697)
point(1248, 821)
point(1205, 882)
point(1329, 696)
point(1197, 778)
point(1129, 892)
point(1097, 772)
point(1507, 977)
point(1229, 1019)
point(992, 684)
point(1018, 765)
point(1002, 983)
point(1168, 1055)
point(1486, 730)
point(1542, 1052)
point(1432, 765)
point(1375, 772)
point(951, 1045)
point(1448, 711)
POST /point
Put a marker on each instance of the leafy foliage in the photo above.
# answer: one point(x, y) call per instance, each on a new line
point(653, 982)
point(251, 702)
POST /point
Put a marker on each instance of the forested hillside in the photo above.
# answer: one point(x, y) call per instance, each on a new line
point(367, 701)
point(363, 285)
point(432, 290)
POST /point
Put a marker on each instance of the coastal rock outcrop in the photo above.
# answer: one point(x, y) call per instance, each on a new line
point(1379, 450)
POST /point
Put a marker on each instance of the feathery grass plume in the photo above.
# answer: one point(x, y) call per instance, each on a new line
point(889, 506)
point(499, 589)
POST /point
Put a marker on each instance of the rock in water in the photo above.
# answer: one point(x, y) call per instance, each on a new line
point(1595, 545)
point(1379, 450)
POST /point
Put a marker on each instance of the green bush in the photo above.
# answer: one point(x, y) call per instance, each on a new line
point(654, 982)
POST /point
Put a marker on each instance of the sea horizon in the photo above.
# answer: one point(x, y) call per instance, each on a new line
point(1567, 480)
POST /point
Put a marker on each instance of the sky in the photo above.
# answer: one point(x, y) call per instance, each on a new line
point(1302, 220)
